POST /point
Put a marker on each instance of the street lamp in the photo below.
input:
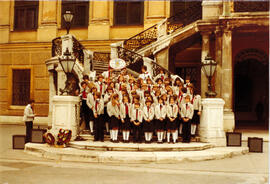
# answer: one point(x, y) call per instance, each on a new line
point(209, 68)
point(68, 16)
point(67, 62)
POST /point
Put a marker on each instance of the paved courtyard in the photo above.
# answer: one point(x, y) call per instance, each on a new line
point(18, 167)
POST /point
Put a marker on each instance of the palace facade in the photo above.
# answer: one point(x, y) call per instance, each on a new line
point(177, 35)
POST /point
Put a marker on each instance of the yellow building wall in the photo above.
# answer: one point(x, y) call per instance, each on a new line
point(30, 49)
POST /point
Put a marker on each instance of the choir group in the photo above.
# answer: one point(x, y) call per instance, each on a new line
point(164, 105)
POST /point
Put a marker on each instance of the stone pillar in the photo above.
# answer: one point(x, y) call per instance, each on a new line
point(211, 124)
point(66, 114)
point(114, 52)
point(211, 9)
point(47, 29)
point(205, 52)
point(218, 59)
point(5, 21)
point(88, 61)
point(227, 79)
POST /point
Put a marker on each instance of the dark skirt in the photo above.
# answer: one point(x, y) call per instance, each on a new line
point(160, 125)
point(195, 118)
point(148, 126)
point(171, 125)
point(114, 123)
point(91, 115)
point(105, 115)
point(126, 125)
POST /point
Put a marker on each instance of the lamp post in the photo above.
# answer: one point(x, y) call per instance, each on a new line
point(68, 16)
point(209, 68)
point(67, 62)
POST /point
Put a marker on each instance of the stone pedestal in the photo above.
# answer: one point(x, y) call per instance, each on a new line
point(211, 125)
point(66, 114)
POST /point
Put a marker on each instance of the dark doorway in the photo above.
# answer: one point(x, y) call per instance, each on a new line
point(251, 94)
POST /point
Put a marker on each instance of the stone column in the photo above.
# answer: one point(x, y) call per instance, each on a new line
point(227, 79)
point(218, 59)
point(47, 29)
point(205, 52)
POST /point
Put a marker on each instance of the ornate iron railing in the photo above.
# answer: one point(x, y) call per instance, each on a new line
point(78, 50)
point(102, 56)
point(183, 18)
point(251, 6)
point(134, 61)
point(143, 38)
point(57, 47)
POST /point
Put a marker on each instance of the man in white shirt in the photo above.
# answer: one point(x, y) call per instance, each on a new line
point(28, 118)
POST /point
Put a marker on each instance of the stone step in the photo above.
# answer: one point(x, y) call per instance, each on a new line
point(109, 146)
point(88, 136)
point(78, 155)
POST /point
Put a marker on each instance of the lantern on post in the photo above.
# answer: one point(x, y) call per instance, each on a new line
point(68, 17)
point(209, 67)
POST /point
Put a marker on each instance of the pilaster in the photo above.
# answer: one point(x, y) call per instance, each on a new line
point(218, 59)
point(47, 29)
point(205, 52)
point(4, 21)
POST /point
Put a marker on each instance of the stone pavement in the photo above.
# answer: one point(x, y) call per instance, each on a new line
point(18, 167)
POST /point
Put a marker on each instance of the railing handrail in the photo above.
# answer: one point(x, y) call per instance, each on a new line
point(152, 61)
point(155, 25)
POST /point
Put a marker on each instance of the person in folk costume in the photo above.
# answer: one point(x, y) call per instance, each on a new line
point(197, 105)
point(172, 113)
point(187, 83)
point(148, 116)
point(161, 75)
point(122, 92)
point(125, 111)
point(113, 109)
point(141, 90)
point(130, 84)
point(186, 112)
point(156, 96)
point(176, 85)
point(84, 107)
point(149, 83)
point(136, 119)
point(28, 118)
point(90, 102)
point(120, 82)
point(101, 86)
point(160, 117)
point(181, 101)
point(98, 110)
point(144, 74)
point(107, 99)
point(176, 80)
point(165, 102)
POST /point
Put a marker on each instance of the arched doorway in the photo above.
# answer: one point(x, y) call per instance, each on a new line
point(251, 89)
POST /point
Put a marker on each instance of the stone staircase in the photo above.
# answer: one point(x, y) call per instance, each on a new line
point(85, 134)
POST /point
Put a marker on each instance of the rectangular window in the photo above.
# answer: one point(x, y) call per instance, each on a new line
point(80, 11)
point(21, 86)
point(128, 13)
point(26, 15)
